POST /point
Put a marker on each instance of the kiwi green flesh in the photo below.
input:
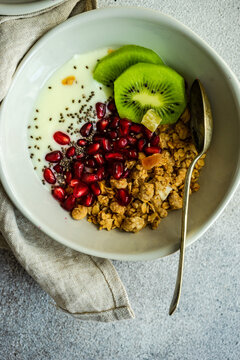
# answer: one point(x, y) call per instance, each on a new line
point(113, 64)
point(148, 86)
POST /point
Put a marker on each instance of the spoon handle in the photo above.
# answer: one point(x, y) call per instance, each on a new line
point(178, 286)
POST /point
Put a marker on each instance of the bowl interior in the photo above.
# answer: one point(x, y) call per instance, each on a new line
point(180, 49)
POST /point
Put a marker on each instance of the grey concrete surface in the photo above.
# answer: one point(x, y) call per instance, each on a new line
point(207, 324)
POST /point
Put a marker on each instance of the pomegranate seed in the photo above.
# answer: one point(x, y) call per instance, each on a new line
point(99, 159)
point(49, 176)
point(93, 148)
point(54, 156)
point(106, 144)
point(121, 143)
point(132, 154)
point(90, 163)
point(126, 173)
point(148, 134)
point(113, 134)
point(82, 142)
point(80, 190)
point(135, 128)
point(86, 129)
point(114, 123)
point(69, 203)
point(73, 182)
point(100, 109)
point(58, 193)
point(95, 189)
point(123, 197)
point(102, 125)
point(68, 176)
point(131, 140)
point(111, 106)
point(155, 140)
point(124, 127)
point(79, 156)
point(113, 156)
point(152, 150)
point(58, 168)
point(117, 170)
point(88, 200)
point(101, 173)
point(98, 138)
point(141, 144)
point(70, 152)
point(89, 178)
point(61, 138)
point(78, 168)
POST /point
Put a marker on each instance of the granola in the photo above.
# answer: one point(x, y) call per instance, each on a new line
point(155, 191)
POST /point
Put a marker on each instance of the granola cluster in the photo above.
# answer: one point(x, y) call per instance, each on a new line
point(154, 192)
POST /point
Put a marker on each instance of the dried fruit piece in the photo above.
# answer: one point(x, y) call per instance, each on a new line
point(54, 156)
point(58, 193)
point(49, 176)
point(68, 80)
point(151, 120)
point(150, 161)
point(61, 138)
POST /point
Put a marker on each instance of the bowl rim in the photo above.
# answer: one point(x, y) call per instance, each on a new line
point(144, 14)
point(24, 8)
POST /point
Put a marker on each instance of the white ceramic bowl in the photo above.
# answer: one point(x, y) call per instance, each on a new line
point(181, 49)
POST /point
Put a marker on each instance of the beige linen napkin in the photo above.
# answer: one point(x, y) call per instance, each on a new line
point(85, 286)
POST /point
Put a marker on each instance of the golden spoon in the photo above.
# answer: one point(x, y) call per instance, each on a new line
point(201, 127)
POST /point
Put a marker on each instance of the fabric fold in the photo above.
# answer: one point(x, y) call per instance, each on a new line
point(84, 286)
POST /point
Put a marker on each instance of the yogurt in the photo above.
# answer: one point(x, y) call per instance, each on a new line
point(65, 102)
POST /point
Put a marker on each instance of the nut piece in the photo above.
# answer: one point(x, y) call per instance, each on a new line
point(79, 212)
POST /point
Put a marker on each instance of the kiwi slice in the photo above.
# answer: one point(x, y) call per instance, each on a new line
point(148, 86)
point(113, 64)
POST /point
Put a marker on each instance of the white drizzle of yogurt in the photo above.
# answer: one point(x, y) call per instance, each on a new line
point(65, 107)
